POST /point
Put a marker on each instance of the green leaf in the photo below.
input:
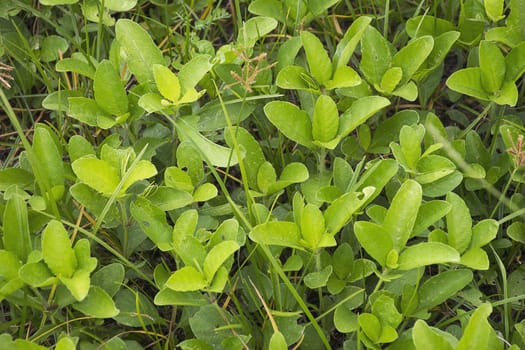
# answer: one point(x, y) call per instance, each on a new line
point(479, 334)
point(205, 192)
point(341, 210)
point(401, 216)
point(318, 279)
point(429, 213)
point(254, 29)
point(16, 234)
point(492, 66)
point(391, 79)
point(385, 309)
point(359, 112)
point(152, 102)
point(508, 95)
point(408, 91)
point(431, 168)
point(135, 309)
point(109, 278)
point(494, 9)
point(317, 57)
point(424, 254)
point(280, 233)
point(439, 288)
point(459, 223)
point(370, 325)
point(295, 78)
point(15, 176)
point(376, 56)
point(468, 81)
point(412, 56)
point(143, 169)
point(153, 222)
point(57, 2)
point(66, 343)
point(374, 239)
point(76, 64)
point(109, 91)
point(293, 122)
point(344, 76)
point(97, 304)
point(483, 233)
point(10, 265)
point(52, 47)
point(277, 342)
point(217, 256)
point(325, 122)
point(49, 160)
point(193, 71)
point(186, 279)
point(83, 253)
point(266, 177)
point(141, 51)
point(292, 173)
point(345, 48)
point(88, 111)
point(312, 225)
point(475, 258)
point(345, 321)
point(120, 5)
point(427, 25)
point(515, 63)
point(167, 82)
point(215, 154)
point(268, 8)
point(167, 296)
point(78, 284)
point(57, 251)
point(97, 174)
point(426, 338)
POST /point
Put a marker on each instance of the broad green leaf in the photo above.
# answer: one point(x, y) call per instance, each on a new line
point(432, 168)
point(185, 225)
point(492, 66)
point(325, 122)
point(141, 51)
point(294, 77)
point(442, 45)
point(10, 265)
point(312, 225)
point(49, 160)
point(213, 153)
point(343, 77)
point(52, 47)
point(494, 9)
point(57, 2)
point(410, 139)
point(167, 296)
point(515, 63)
point(78, 284)
point(483, 233)
point(343, 260)
point(377, 177)
point(268, 8)
point(178, 179)
point(468, 81)
point(459, 223)
point(424, 254)
point(205, 192)
point(143, 169)
point(385, 309)
point(280, 233)
point(401, 216)
point(168, 198)
point(186, 279)
point(66, 343)
point(376, 56)
point(266, 177)
point(341, 210)
point(109, 91)
point(479, 334)
point(152, 102)
point(76, 64)
point(79, 147)
point(254, 156)
point(217, 256)
point(374, 239)
point(97, 304)
point(37, 274)
point(387, 131)
point(318, 279)
point(288, 51)
point(57, 251)
point(135, 309)
point(516, 231)
point(427, 25)
point(442, 286)
point(193, 71)
point(370, 325)
point(23, 179)
point(359, 112)
point(16, 234)
point(153, 222)
point(317, 57)
point(475, 258)
point(93, 201)
point(408, 91)
point(97, 174)
point(254, 29)
point(277, 342)
point(83, 253)
point(345, 321)
point(292, 173)
point(293, 122)
point(167, 82)
point(426, 338)
point(88, 111)
point(508, 95)
point(442, 186)
point(345, 48)
point(412, 56)
point(120, 5)
point(391, 79)
point(109, 278)
point(428, 214)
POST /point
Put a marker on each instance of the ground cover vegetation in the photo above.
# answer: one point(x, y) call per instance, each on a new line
point(267, 174)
